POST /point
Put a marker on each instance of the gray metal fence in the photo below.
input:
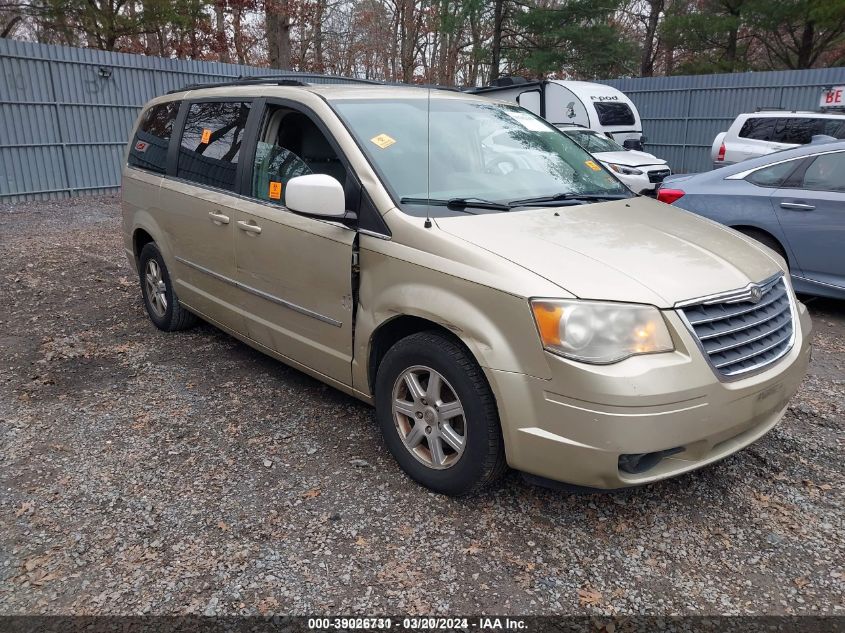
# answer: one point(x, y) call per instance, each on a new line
point(682, 115)
point(65, 112)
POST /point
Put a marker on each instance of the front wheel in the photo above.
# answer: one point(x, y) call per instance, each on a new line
point(438, 415)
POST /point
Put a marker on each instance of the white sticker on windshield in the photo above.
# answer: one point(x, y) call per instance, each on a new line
point(535, 125)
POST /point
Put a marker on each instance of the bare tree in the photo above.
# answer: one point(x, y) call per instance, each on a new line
point(277, 29)
point(221, 42)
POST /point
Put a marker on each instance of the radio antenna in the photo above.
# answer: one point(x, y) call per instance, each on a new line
point(428, 159)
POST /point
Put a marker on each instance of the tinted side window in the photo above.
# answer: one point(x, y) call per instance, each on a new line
point(826, 173)
point(614, 113)
point(832, 127)
point(774, 175)
point(796, 130)
point(758, 129)
point(149, 147)
point(211, 143)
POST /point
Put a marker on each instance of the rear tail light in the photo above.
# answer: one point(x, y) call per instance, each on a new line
point(721, 155)
point(669, 195)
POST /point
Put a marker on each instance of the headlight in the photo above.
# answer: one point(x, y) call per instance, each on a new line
point(600, 332)
point(628, 171)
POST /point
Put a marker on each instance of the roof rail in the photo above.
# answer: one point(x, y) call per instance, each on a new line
point(293, 79)
point(240, 82)
point(821, 110)
point(303, 77)
point(526, 84)
point(510, 80)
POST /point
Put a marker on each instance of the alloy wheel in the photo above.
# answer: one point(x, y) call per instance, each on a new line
point(156, 288)
point(429, 417)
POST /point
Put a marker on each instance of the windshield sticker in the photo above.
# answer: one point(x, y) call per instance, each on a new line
point(592, 165)
point(275, 192)
point(528, 121)
point(383, 140)
point(206, 136)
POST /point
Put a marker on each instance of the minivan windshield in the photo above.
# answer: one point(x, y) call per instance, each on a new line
point(472, 156)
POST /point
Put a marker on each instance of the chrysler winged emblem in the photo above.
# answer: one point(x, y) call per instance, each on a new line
point(756, 294)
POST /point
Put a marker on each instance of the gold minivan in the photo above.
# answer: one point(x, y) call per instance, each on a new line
point(501, 299)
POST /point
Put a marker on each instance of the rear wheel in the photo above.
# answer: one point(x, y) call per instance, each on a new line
point(765, 239)
point(438, 415)
point(160, 299)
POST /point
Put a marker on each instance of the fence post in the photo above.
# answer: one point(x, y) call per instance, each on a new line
point(62, 142)
point(686, 132)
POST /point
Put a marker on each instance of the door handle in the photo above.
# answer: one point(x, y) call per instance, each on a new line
point(797, 206)
point(218, 218)
point(249, 228)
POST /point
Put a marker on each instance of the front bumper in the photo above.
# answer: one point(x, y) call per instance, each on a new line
point(642, 183)
point(574, 427)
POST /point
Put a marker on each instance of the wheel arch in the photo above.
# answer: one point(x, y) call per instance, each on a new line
point(391, 331)
point(745, 228)
point(144, 230)
point(140, 238)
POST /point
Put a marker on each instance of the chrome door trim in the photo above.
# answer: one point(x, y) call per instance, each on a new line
point(744, 174)
point(380, 236)
point(816, 281)
point(261, 293)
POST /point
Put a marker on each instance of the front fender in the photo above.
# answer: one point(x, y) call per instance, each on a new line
point(496, 326)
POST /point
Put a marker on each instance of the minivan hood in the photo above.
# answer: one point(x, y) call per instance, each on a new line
point(636, 250)
point(629, 158)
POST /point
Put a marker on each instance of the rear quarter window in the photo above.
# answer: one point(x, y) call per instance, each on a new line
point(758, 129)
point(774, 175)
point(149, 147)
point(833, 127)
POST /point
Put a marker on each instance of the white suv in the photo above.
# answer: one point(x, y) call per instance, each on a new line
point(767, 131)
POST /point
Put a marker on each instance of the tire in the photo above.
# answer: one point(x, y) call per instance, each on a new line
point(766, 240)
point(413, 436)
point(163, 307)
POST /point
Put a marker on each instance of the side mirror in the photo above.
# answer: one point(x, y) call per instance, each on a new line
point(316, 194)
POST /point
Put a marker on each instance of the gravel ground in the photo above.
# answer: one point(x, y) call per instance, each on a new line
point(144, 472)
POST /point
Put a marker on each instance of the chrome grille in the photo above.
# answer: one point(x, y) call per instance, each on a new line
point(739, 334)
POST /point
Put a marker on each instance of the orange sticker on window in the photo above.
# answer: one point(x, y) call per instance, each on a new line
point(592, 165)
point(383, 140)
point(206, 137)
point(275, 192)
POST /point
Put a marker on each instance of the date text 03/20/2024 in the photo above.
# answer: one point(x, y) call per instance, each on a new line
point(423, 623)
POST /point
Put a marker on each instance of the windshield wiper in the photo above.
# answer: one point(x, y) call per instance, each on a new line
point(459, 203)
point(568, 197)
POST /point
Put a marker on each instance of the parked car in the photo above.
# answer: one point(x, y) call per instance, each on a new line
point(767, 131)
point(792, 201)
point(595, 106)
point(642, 172)
point(545, 318)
